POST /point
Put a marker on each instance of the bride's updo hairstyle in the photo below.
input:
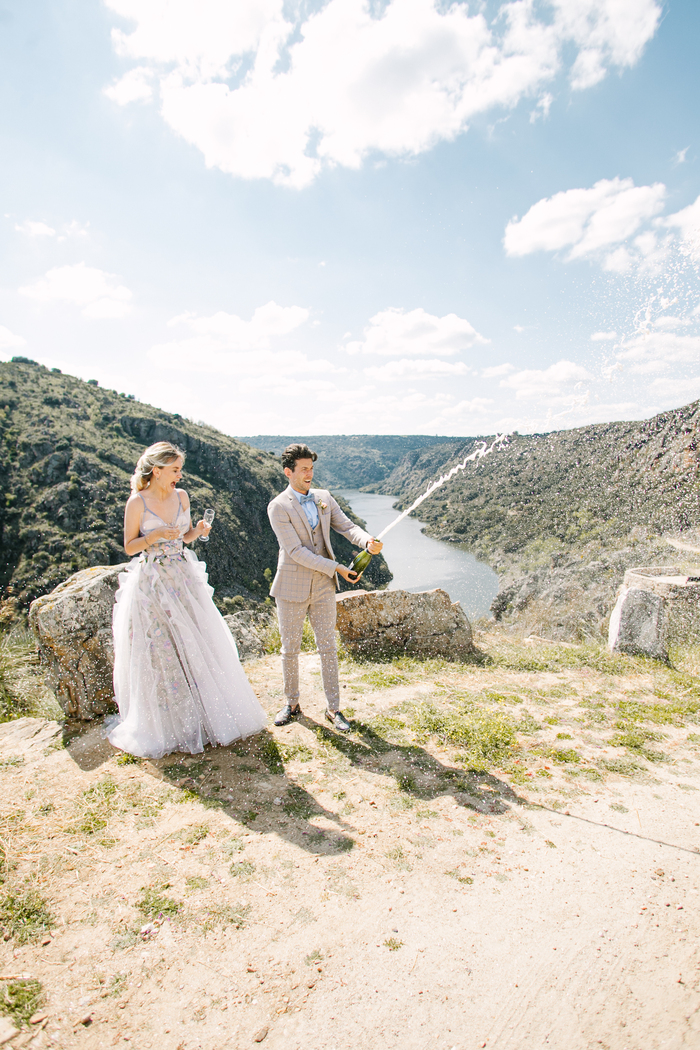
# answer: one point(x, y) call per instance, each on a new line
point(158, 455)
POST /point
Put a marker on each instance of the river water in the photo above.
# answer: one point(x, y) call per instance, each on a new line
point(419, 562)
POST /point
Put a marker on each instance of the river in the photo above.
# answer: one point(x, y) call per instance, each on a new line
point(419, 562)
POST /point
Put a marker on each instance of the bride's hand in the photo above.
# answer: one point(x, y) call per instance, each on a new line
point(163, 534)
point(202, 529)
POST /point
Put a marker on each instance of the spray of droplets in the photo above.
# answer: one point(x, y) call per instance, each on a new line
point(482, 449)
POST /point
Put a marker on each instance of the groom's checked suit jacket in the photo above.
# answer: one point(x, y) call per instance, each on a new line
point(297, 558)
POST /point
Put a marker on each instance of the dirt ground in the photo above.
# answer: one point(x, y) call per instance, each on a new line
point(305, 890)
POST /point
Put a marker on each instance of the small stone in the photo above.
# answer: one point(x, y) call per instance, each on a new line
point(7, 1030)
point(277, 801)
point(45, 941)
point(259, 1036)
point(37, 1018)
point(86, 1020)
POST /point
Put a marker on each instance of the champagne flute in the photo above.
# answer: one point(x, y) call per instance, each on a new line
point(207, 517)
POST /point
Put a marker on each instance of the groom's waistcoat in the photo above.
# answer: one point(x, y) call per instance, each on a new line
point(303, 550)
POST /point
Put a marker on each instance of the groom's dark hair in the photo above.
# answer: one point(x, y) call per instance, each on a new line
point(294, 452)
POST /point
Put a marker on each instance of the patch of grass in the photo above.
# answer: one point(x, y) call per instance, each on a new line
point(155, 904)
point(242, 869)
point(180, 771)
point(313, 958)
point(23, 690)
point(298, 803)
point(195, 833)
point(527, 725)
point(24, 914)
point(223, 915)
point(466, 880)
point(269, 754)
point(393, 944)
point(405, 781)
point(488, 739)
point(635, 740)
point(125, 759)
point(388, 724)
point(196, 882)
point(12, 760)
point(564, 736)
point(624, 767)
point(296, 752)
point(426, 814)
point(20, 999)
point(97, 804)
point(618, 807)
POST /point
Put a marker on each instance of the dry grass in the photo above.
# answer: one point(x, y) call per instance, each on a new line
point(22, 687)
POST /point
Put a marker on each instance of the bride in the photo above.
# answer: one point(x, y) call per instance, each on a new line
point(177, 678)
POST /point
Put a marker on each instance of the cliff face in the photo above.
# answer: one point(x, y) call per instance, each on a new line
point(67, 451)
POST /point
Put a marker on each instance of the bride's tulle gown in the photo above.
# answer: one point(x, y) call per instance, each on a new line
point(177, 678)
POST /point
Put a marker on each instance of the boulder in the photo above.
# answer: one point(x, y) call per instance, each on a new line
point(638, 624)
point(391, 623)
point(74, 627)
point(245, 628)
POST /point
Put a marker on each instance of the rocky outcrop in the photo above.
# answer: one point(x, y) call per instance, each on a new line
point(391, 623)
point(74, 627)
point(656, 606)
point(247, 628)
point(638, 624)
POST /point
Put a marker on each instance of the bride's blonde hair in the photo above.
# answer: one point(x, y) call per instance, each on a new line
point(158, 455)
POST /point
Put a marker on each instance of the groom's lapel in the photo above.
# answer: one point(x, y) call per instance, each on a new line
point(296, 509)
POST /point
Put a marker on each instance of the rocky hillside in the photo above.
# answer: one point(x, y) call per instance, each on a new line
point(356, 461)
point(561, 515)
point(67, 451)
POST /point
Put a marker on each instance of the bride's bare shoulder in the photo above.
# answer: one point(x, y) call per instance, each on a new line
point(184, 499)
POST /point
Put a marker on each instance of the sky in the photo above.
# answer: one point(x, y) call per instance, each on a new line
point(356, 216)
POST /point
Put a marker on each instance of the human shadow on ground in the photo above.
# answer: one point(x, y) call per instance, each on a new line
point(248, 780)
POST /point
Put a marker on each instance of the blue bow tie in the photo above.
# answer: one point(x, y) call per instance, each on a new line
point(308, 498)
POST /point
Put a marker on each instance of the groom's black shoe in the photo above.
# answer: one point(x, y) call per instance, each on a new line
point(287, 713)
point(339, 721)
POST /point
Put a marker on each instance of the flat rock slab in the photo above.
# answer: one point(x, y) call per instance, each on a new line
point(393, 623)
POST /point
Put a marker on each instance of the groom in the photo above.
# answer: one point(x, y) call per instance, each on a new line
point(306, 577)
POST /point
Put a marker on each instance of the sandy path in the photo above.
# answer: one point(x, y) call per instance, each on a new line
point(508, 917)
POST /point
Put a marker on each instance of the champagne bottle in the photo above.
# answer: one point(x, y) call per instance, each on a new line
point(360, 562)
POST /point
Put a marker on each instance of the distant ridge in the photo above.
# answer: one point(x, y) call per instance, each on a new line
point(354, 461)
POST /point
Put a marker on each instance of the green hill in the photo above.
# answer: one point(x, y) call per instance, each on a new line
point(67, 451)
point(562, 491)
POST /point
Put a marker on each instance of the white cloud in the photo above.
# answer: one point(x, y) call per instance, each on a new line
point(394, 332)
point(96, 291)
point(589, 222)
point(8, 340)
point(134, 86)
point(546, 382)
point(431, 368)
point(680, 156)
point(603, 337)
point(687, 222)
point(655, 351)
point(265, 90)
point(675, 390)
point(497, 370)
point(227, 344)
point(35, 229)
point(232, 333)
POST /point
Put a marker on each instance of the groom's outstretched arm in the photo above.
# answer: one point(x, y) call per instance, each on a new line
point(289, 542)
point(341, 523)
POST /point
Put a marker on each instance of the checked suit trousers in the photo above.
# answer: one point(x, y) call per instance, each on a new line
point(321, 610)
